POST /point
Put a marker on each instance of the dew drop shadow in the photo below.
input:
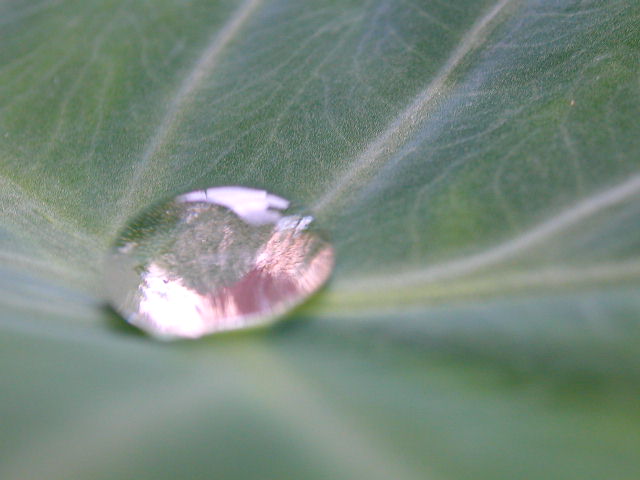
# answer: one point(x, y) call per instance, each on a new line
point(281, 327)
point(118, 325)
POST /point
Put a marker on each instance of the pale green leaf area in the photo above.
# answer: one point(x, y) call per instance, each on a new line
point(476, 163)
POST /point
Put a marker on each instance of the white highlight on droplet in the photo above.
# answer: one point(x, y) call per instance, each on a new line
point(294, 222)
point(256, 207)
point(165, 300)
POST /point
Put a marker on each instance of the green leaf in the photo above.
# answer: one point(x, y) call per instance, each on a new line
point(475, 163)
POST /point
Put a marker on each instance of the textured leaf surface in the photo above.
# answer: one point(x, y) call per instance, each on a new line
point(476, 164)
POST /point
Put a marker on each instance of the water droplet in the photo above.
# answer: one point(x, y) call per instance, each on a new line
point(226, 258)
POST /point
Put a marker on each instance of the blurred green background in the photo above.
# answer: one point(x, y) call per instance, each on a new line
point(476, 163)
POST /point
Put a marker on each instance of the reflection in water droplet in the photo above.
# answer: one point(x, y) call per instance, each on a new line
point(215, 260)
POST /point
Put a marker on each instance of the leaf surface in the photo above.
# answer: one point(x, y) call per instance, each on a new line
point(475, 164)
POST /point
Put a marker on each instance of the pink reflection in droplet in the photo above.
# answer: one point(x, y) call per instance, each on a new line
point(289, 267)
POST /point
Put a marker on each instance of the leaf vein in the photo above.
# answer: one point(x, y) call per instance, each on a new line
point(397, 132)
point(202, 68)
point(507, 250)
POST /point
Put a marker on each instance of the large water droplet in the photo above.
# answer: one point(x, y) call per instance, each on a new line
point(214, 260)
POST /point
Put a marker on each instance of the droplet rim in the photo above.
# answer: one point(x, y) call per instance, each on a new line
point(264, 210)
